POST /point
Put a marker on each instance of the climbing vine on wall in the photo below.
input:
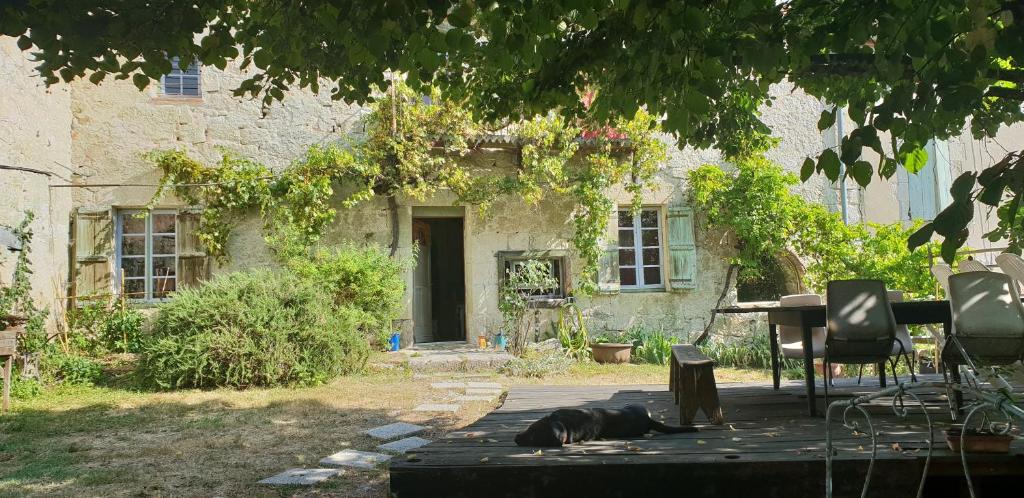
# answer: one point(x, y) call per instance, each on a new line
point(754, 202)
point(415, 146)
point(16, 301)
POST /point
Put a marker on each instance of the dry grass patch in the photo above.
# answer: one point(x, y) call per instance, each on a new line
point(117, 442)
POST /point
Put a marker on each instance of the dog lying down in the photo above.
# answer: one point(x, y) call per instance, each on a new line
point(568, 426)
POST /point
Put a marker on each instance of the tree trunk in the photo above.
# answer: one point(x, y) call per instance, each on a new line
point(704, 336)
point(393, 210)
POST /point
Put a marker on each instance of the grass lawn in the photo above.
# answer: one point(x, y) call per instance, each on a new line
point(107, 441)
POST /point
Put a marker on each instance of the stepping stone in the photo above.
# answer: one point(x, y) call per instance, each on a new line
point(353, 458)
point(301, 477)
point(473, 398)
point(448, 385)
point(483, 385)
point(436, 407)
point(403, 445)
point(483, 392)
point(397, 429)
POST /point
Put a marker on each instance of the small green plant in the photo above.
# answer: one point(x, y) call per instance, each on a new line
point(253, 328)
point(70, 368)
point(99, 327)
point(521, 282)
point(537, 364)
point(655, 348)
point(16, 299)
point(572, 333)
point(753, 351)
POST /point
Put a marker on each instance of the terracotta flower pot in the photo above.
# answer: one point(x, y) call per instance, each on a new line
point(611, 352)
point(974, 442)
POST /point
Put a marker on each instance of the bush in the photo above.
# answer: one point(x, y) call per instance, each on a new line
point(97, 328)
point(255, 328)
point(752, 351)
point(363, 279)
point(70, 368)
point(654, 347)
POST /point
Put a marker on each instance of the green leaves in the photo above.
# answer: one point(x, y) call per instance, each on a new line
point(920, 237)
point(828, 163)
point(827, 119)
point(861, 172)
point(140, 81)
point(807, 169)
point(914, 159)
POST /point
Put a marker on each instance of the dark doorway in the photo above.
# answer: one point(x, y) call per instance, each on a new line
point(439, 281)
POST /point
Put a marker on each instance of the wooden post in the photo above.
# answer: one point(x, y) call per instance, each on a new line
point(8, 370)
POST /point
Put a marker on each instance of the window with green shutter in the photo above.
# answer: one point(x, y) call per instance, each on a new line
point(640, 249)
point(682, 248)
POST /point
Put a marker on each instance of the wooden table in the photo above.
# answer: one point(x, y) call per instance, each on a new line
point(809, 317)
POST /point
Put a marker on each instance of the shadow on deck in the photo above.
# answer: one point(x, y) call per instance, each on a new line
point(768, 447)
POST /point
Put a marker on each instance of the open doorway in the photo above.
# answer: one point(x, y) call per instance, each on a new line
point(439, 285)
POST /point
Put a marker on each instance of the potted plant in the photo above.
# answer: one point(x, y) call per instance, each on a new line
point(977, 440)
point(612, 348)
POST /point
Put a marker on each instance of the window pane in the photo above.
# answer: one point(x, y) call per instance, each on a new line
point(162, 287)
point(627, 257)
point(133, 267)
point(626, 238)
point(133, 245)
point(163, 223)
point(135, 288)
point(649, 218)
point(163, 267)
point(627, 276)
point(132, 224)
point(163, 244)
point(651, 257)
point(625, 219)
point(650, 238)
point(652, 276)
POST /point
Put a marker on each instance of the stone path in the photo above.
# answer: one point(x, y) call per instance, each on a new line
point(301, 477)
point(354, 458)
point(471, 391)
point(403, 445)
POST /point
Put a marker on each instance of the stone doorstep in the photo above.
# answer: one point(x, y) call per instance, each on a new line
point(354, 458)
point(436, 407)
point(463, 397)
point(395, 430)
point(301, 477)
point(403, 445)
point(448, 385)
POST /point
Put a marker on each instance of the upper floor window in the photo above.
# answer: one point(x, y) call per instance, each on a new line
point(146, 254)
point(640, 257)
point(182, 82)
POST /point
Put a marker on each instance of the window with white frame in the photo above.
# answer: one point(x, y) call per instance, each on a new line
point(182, 82)
point(640, 254)
point(146, 254)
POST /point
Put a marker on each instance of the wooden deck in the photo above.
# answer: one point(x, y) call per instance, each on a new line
point(768, 447)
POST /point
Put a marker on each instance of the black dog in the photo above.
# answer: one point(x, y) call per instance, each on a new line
point(567, 426)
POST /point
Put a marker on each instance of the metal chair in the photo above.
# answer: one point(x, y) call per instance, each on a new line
point(861, 328)
point(969, 265)
point(988, 325)
point(791, 339)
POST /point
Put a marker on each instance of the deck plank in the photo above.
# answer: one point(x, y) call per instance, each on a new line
point(767, 444)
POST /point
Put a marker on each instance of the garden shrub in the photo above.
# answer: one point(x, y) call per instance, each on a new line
point(101, 327)
point(69, 367)
point(254, 328)
point(365, 280)
point(537, 364)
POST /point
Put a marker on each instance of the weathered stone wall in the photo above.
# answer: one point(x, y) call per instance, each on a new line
point(114, 124)
point(35, 133)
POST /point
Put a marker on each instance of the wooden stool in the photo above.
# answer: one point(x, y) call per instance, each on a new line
point(692, 382)
point(8, 347)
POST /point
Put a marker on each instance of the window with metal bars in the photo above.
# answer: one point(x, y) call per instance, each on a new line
point(182, 82)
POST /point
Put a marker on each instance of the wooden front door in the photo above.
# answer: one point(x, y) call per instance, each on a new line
point(421, 298)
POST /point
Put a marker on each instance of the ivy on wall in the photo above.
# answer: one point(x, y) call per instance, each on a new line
point(16, 303)
point(754, 202)
point(414, 147)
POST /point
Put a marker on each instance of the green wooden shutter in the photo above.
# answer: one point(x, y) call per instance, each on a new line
point(94, 250)
point(608, 266)
point(193, 264)
point(681, 248)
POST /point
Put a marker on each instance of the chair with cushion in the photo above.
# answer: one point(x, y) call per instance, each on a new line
point(941, 272)
point(861, 328)
point(791, 339)
point(988, 323)
point(972, 265)
point(1012, 265)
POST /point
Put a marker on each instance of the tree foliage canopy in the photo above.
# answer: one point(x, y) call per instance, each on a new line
point(907, 70)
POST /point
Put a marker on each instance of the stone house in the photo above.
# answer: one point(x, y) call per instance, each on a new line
point(76, 152)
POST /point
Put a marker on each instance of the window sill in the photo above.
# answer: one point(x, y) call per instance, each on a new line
point(177, 100)
point(643, 290)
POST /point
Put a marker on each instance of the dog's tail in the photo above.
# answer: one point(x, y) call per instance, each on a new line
point(671, 429)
